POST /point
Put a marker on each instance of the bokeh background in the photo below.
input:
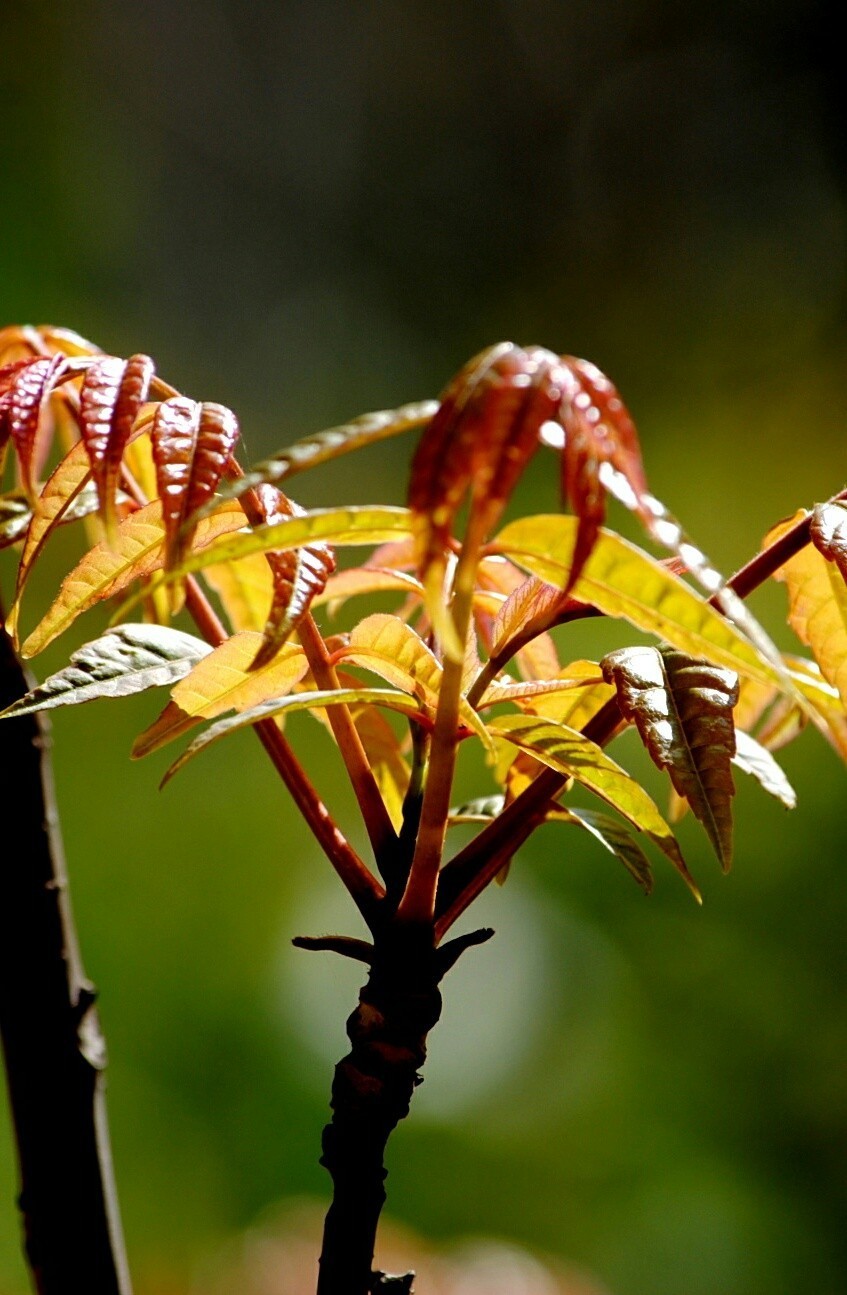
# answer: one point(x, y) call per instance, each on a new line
point(307, 210)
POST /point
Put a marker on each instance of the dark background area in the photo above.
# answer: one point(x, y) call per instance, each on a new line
point(310, 210)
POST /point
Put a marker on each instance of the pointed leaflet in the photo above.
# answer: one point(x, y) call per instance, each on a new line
point(223, 681)
point(102, 572)
point(481, 438)
point(587, 695)
point(297, 575)
point(299, 701)
point(335, 525)
point(388, 764)
point(356, 581)
point(598, 430)
point(817, 597)
point(112, 393)
point(391, 648)
point(323, 446)
point(572, 753)
point(191, 445)
point(20, 411)
point(682, 709)
point(622, 580)
point(753, 758)
point(125, 660)
point(15, 515)
point(829, 533)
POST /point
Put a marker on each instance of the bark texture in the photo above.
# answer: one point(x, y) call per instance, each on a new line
point(53, 1048)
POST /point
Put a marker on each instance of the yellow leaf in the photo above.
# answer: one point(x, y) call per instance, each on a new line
point(226, 683)
point(622, 580)
point(245, 589)
point(817, 599)
point(105, 571)
point(573, 754)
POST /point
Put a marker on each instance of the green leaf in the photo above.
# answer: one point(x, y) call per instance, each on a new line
point(751, 757)
point(124, 660)
point(682, 709)
point(299, 701)
point(574, 755)
point(622, 580)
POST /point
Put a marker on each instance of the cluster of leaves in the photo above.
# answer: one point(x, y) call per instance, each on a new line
point(175, 523)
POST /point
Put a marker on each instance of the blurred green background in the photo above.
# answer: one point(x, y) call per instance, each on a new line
point(309, 210)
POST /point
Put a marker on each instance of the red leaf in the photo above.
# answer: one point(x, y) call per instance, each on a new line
point(299, 575)
point(485, 431)
point(598, 429)
point(27, 387)
point(191, 445)
point(112, 393)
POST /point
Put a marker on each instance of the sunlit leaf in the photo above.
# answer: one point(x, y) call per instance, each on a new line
point(245, 589)
point(338, 526)
point(105, 571)
point(682, 709)
point(755, 759)
point(15, 515)
point(828, 531)
point(817, 599)
point(572, 754)
point(622, 580)
point(575, 705)
point(297, 575)
point(330, 444)
point(223, 681)
point(125, 660)
point(298, 701)
point(385, 757)
point(21, 408)
point(111, 395)
point(191, 444)
point(357, 581)
point(530, 691)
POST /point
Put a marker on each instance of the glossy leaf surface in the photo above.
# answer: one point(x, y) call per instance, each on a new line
point(125, 660)
point(191, 445)
point(682, 709)
point(754, 759)
point(111, 395)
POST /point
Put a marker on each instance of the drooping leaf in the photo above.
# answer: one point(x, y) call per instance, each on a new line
point(387, 697)
point(827, 710)
point(817, 598)
point(622, 580)
point(682, 709)
point(191, 445)
point(385, 757)
point(223, 681)
point(103, 571)
point(125, 660)
point(828, 531)
point(21, 409)
point(297, 575)
point(330, 444)
point(753, 758)
point(598, 430)
point(111, 395)
point(356, 581)
point(573, 754)
point(614, 838)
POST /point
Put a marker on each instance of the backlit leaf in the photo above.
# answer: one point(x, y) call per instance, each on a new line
point(103, 571)
point(756, 760)
point(817, 599)
point(223, 681)
point(682, 709)
point(572, 754)
point(614, 838)
point(574, 706)
point(21, 408)
point(338, 526)
point(298, 701)
point(622, 580)
point(191, 444)
point(111, 395)
point(297, 575)
point(385, 757)
point(125, 660)
point(245, 589)
point(365, 580)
